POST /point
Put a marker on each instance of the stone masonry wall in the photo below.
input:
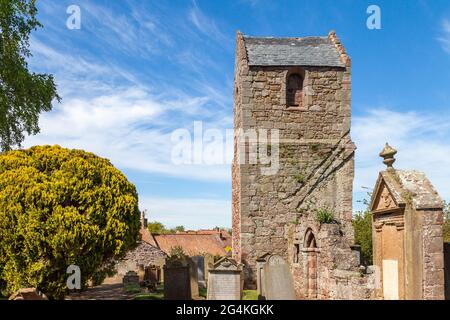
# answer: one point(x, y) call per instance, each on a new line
point(433, 260)
point(271, 213)
point(241, 69)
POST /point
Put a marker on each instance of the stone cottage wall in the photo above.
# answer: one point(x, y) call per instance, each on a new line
point(143, 255)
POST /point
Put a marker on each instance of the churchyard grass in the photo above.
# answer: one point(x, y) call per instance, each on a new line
point(250, 295)
point(157, 295)
point(132, 288)
point(202, 292)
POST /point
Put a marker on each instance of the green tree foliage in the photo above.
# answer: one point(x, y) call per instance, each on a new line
point(176, 255)
point(178, 229)
point(362, 224)
point(156, 227)
point(177, 252)
point(23, 94)
point(60, 207)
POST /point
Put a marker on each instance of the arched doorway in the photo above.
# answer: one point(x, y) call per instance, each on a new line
point(310, 249)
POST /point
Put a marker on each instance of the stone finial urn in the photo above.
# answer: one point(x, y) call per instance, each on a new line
point(388, 154)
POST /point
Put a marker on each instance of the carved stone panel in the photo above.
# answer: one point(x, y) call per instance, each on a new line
point(384, 200)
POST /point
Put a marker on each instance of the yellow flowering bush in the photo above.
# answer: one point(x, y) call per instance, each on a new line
point(61, 207)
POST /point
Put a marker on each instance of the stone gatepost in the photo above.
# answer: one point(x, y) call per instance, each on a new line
point(407, 234)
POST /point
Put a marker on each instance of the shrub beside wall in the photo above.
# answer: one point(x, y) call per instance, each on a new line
point(60, 207)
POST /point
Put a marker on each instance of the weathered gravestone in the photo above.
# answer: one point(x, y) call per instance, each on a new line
point(209, 262)
point(193, 275)
point(278, 281)
point(260, 262)
point(225, 280)
point(200, 264)
point(177, 282)
point(131, 278)
point(141, 272)
point(153, 274)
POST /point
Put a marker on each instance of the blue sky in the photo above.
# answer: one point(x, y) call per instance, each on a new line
point(138, 70)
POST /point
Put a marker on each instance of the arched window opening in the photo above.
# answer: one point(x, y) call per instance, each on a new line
point(311, 264)
point(310, 240)
point(294, 90)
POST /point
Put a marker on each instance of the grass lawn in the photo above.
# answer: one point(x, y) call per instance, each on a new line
point(132, 288)
point(157, 295)
point(202, 292)
point(250, 295)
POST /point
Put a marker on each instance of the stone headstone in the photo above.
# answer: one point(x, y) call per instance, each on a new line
point(356, 250)
point(193, 276)
point(260, 262)
point(225, 280)
point(278, 281)
point(208, 262)
point(141, 272)
point(177, 282)
point(131, 277)
point(152, 277)
point(153, 274)
point(200, 263)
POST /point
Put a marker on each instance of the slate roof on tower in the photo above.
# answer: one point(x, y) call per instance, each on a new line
point(309, 51)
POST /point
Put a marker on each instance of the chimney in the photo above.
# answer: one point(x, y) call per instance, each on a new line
point(143, 220)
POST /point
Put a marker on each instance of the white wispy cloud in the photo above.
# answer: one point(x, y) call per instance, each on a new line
point(127, 127)
point(208, 26)
point(77, 75)
point(421, 140)
point(444, 39)
point(109, 110)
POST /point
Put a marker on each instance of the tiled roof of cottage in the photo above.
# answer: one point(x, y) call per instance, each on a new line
point(310, 51)
point(224, 236)
point(146, 236)
point(192, 244)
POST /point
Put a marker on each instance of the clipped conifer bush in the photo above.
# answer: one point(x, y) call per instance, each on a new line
point(61, 207)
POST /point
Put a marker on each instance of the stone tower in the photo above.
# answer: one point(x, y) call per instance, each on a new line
point(302, 88)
